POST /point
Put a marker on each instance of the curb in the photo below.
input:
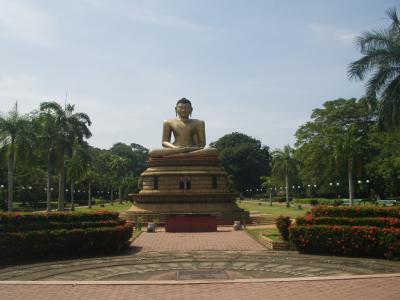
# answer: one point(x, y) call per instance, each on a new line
point(189, 282)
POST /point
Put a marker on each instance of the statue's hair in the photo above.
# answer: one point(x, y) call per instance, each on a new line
point(184, 101)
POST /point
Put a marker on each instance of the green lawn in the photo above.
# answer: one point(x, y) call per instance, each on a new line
point(116, 207)
point(272, 233)
point(275, 210)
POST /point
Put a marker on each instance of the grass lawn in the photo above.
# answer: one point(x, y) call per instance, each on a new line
point(116, 207)
point(271, 233)
point(275, 210)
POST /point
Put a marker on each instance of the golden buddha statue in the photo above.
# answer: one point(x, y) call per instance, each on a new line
point(189, 134)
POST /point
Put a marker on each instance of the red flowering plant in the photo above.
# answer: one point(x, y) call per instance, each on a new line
point(355, 211)
point(347, 240)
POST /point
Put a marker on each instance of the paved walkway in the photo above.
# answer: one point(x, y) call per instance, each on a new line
point(216, 265)
point(224, 239)
point(331, 289)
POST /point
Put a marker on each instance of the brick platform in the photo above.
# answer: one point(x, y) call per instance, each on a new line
point(224, 239)
point(190, 223)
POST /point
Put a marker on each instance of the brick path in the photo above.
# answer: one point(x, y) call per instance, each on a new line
point(361, 288)
point(222, 240)
point(235, 251)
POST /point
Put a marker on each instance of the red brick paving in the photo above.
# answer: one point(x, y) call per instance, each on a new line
point(223, 239)
point(365, 289)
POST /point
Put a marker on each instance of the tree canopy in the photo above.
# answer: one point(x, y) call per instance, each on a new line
point(381, 59)
point(245, 158)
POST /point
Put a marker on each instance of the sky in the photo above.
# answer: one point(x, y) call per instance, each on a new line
point(253, 66)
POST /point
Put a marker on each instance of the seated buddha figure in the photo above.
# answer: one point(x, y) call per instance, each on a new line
point(189, 134)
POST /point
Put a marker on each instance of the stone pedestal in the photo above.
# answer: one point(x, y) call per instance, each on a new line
point(185, 185)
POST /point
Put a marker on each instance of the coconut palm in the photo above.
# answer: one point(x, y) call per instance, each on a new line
point(381, 50)
point(76, 166)
point(88, 178)
point(284, 167)
point(70, 126)
point(47, 132)
point(119, 167)
point(14, 139)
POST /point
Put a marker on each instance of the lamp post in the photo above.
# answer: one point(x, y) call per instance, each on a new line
point(3, 205)
point(369, 189)
point(270, 196)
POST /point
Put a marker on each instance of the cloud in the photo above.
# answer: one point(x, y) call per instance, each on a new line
point(20, 21)
point(167, 21)
point(324, 32)
point(149, 13)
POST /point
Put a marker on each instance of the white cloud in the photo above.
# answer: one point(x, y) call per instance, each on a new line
point(149, 13)
point(20, 21)
point(325, 32)
point(167, 21)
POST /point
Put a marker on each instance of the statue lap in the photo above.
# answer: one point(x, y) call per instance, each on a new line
point(183, 152)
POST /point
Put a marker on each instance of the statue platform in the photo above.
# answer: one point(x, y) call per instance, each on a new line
point(185, 186)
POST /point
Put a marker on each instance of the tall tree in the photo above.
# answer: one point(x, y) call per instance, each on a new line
point(14, 140)
point(381, 57)
point(244, 158)
point(88, 178)
point(284, 167)
point(70, 126)
point(120, 169)
point(76, 166)
point(47, 133)
point(335, 142)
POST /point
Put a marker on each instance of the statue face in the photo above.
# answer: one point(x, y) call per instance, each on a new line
point(183, 110)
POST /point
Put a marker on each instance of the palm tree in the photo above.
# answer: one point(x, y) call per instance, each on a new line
point(381, 50)
point(284, 167)
point(76, 166)
point(350, 145)
point(267, 185)
point(47, 133)
point(89, 176)
point(14, 139)
point(119, 166)
point(70, 126)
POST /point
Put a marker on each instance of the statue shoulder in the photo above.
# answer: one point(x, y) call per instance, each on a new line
point(169, 121)
point(196, 121)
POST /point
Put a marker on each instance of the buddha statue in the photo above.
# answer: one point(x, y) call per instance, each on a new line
point(189, 134)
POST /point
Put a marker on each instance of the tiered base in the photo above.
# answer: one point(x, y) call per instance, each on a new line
point(184, 190)
point(225, 212)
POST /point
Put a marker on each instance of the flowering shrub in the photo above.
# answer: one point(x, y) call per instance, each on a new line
point(283, 223)
point(347, 240)
point(36, 235)
point(382, 222)
point(355, 211)
point(20, 227)
point(14, 219)
point(62, 242)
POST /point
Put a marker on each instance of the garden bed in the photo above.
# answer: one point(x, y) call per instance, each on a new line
point(273, 244)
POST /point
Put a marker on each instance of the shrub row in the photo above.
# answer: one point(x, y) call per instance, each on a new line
point(283, 223)
point(355, 211)
point(315, 201)
point(61, 243)
point(381, 222)
point(58, 225)
point(14, 219)
point(347, 240)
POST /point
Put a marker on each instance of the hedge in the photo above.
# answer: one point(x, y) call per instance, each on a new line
point(15, 219)
point(319, 201)
point(355, 211)
point(58, 225)
point(62, 242)
point(347, 240)
point(381, 222)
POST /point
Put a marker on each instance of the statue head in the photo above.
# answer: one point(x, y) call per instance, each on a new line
point(183, 108)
